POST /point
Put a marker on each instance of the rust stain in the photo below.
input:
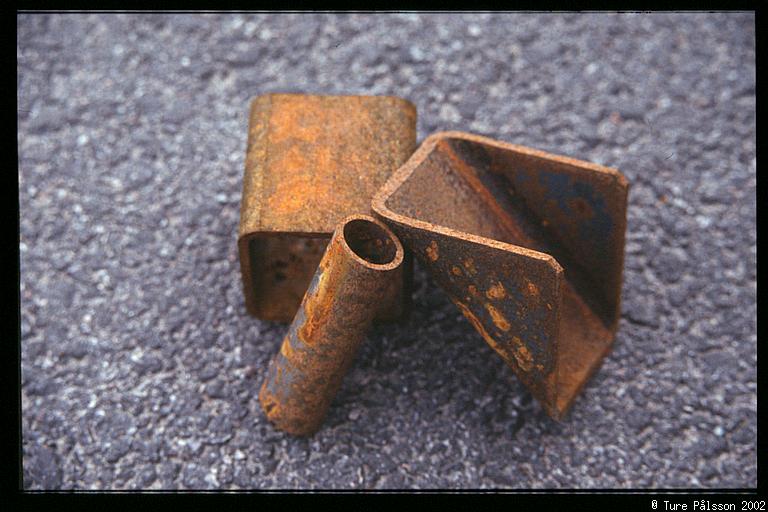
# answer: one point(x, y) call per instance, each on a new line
point(473, 290)
point(533, 290)
point(469, 264)
point(498, 319)
point(286, 349)
point(319, 302)
point(496, 292)
point(477, 324)
point(432, 251)
point(522, 354)
point(456, 270)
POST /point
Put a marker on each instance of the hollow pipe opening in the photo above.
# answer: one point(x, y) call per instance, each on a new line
point(371, 242)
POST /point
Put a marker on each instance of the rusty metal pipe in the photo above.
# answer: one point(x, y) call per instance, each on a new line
point(357, 276)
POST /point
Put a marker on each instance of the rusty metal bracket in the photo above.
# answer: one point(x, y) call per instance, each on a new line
point(311, 161)
point(528, 245)
point(360, 270)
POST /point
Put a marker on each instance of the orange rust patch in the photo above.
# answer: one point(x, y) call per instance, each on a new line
point(469, 264)
point(498, 319)
point(318, 309)
point(287, 200)
point(533, 290)
point(522, 354)
point(496, 291)
point(477, 324)
point(455, 270)
point(270, 405)
point(286, 349)
point(432, 252)
point(473, 290)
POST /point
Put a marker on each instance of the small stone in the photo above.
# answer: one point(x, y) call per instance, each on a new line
point(168, 472)
point(216, 389)
point(42, 468)
point(149, 364)
point(670, 264)
point(632, 113)
point(207, 373)
point(638, 419)
point(449, 113)
point(193, 477)
point(177, 113)
point(117, 450)
point(76, 349)
point(48, 118)
point(416, 53)
point(146, 477)
point(644, 313)
point(40, 386)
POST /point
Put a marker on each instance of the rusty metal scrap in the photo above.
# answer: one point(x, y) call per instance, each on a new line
point(361, 268)
point(311, 161)
point(528, 245)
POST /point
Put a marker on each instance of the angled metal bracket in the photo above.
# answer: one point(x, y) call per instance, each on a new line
point(528, 245)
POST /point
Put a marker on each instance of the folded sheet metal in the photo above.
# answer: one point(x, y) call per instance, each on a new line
point(311, 161)
point(528, 245)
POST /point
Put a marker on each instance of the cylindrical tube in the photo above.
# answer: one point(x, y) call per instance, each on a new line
point(357, 276)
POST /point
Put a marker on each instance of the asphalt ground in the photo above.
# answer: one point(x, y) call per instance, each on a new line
point(140, 366)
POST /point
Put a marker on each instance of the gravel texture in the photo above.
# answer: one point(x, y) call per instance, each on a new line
point(140, 367)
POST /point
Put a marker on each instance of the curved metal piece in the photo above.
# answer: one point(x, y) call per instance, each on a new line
point(528, 245)
point(311, 161)
point(359, 272)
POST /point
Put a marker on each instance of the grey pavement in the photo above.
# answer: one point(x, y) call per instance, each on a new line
point(140, 366)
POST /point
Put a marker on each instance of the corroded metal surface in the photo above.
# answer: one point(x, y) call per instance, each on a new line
point(528, 245)
point(311, 161)
point(360, 270)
